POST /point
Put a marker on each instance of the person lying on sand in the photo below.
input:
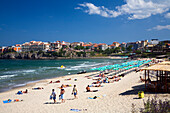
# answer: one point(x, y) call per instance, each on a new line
point(50, 82)
point(142, 80)
point(58, 81)
point(26, 91)
point(88, 89)
point(96, 85)
point(37, 88)
point(68, 79)
point(64, 86)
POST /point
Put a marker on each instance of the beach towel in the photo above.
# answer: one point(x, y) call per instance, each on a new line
point(95, 97)
point(19, 93)
point(7, 101)
point(76, 110)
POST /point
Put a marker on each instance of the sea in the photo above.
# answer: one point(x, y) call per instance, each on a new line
point(16, 73)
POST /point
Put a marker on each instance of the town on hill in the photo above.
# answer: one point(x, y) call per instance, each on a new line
point(62, 49)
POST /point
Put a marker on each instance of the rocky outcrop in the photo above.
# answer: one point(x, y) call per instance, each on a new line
point(67, 55)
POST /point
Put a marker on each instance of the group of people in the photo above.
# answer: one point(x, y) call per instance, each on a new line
point(62, 91)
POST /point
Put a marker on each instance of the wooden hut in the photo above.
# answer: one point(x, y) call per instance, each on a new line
point(161, 75)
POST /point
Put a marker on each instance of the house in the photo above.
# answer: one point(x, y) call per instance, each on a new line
point(17, 48)
point(35, 46)
point(133, 44)
point(88, 46)
point(123, 44)
point(103, 46)
point(116, 44)
point(112, 46)
point(154, 41)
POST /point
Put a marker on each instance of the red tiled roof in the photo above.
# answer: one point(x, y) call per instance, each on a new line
point(102, 44)
point(95, 45)
point(112, 45)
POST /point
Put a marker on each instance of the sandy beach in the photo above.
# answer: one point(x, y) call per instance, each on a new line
point(115, 97)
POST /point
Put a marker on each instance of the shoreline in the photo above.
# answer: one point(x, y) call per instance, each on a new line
point(63, 58)
point(33, 83)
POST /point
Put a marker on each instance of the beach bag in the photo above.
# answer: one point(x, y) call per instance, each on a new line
point(51, 97)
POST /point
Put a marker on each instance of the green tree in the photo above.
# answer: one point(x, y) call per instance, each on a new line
point(87, 47)
point(117, 49)
point(129, 48)
point(55, 54)
point(123, 48)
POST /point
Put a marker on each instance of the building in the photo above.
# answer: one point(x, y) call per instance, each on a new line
point(102, 46)
point(17, 48)
point(154, 41)
point(123, 44)
point(133, 44)
point(35, 46)
point(112, 46)
point(116, 44)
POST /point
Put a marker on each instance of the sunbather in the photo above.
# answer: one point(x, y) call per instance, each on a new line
point(68, 79)
point(88, 89)
point(58, 81)
point(26, 91)
point(37, 88)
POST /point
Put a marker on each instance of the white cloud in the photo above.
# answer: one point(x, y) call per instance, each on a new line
point(135, 9)
point(159, 27)
point(167, 15)
point(77, 8)
point(101, 10)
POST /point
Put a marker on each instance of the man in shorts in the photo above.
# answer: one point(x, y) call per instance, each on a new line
point(74, 91)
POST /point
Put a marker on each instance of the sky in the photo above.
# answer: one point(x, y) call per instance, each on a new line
point(96, 21)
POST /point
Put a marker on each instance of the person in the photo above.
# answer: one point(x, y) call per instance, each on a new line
point(142, 80)
point(88, 89)
point(53, 95)
point(26, 91)
point(37, 88)
point(62, 94)
point(74, 91)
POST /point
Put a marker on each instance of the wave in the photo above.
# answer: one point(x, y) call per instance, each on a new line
point(45, 68)
point(84, 65)
point(7, 76)
point(20, 71)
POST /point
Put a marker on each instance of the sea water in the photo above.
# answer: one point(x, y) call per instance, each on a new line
point(15, 73)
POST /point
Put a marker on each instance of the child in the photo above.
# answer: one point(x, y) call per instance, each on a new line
point(74, 91)
point(53, 95)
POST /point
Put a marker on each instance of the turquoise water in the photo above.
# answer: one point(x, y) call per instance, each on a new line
point(15, 73)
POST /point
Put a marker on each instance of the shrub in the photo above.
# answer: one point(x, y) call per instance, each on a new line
point(154, 106)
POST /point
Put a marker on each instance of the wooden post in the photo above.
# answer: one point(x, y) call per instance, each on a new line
point(145, 79)
point(165, 81)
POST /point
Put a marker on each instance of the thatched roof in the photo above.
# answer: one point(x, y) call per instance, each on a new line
point(164, 66)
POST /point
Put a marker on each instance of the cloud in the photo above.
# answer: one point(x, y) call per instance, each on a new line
point(92, 9)
point(77, 8)
point(167, 15)
point(135, 9)
point(159, 27)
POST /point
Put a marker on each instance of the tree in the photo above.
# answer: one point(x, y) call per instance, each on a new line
point(117, 49)
point(129, 48)
point(138, 52)
point(87, 47)
point(123, 48)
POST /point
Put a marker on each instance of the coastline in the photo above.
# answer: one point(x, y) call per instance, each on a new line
point(33, 83)
point(62, 58)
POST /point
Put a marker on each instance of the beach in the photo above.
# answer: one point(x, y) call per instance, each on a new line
point(115, 97)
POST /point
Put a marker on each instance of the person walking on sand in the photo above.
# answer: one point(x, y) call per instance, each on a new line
point(62, 94)
point(74, 91)
point(53, 95)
